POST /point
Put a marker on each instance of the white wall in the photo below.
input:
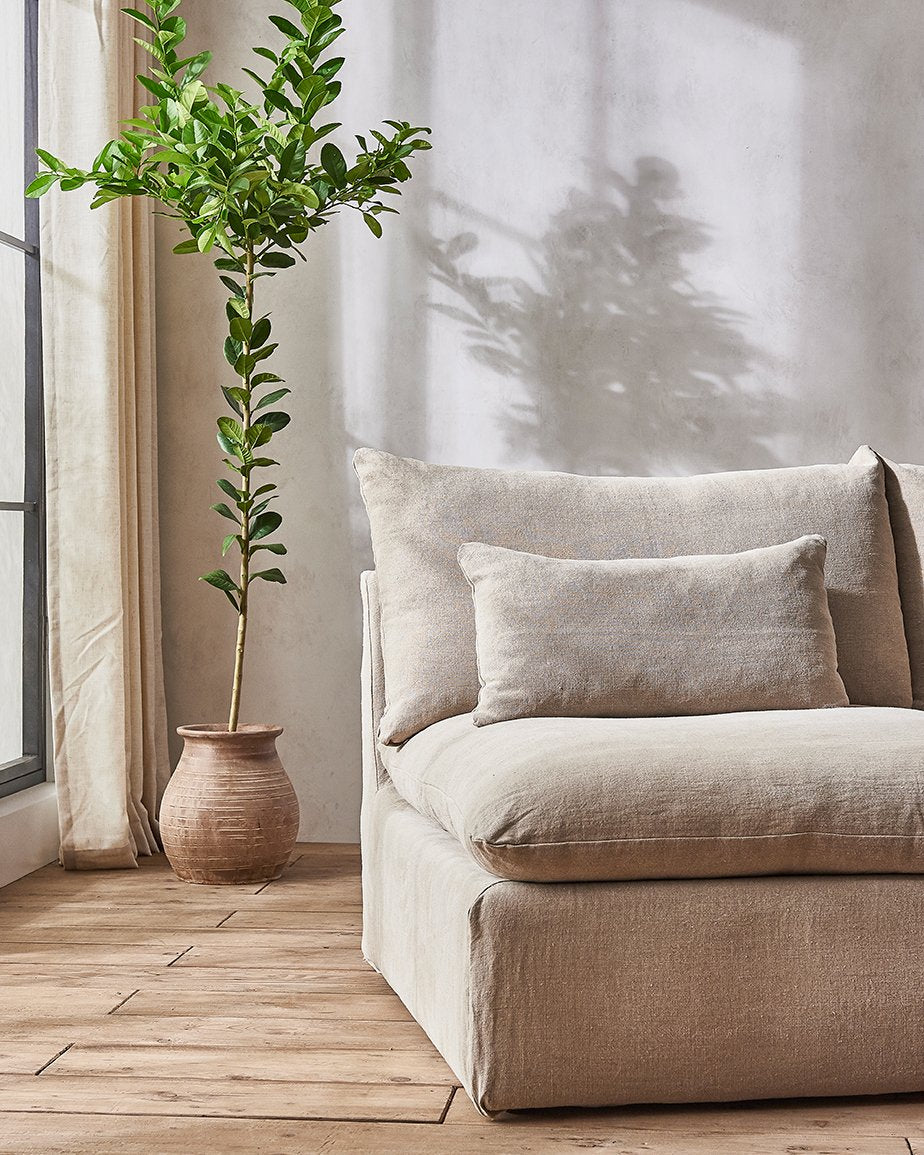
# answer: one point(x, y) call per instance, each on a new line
point(28, 831)
point(652, 236)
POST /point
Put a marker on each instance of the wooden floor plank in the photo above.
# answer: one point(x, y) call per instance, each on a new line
point(885, 1115)
point(230, 942)
point(301, 1035)
point(36, 922)
point(223, 981)
point(295, 1005)
point(38, 1003)
point(28, 1056)
point(245, 1062)
point(344, 922)
point(45, 954)
point(59, 1134)
point(410, 1102)
point(296, 956)
point(269, 1032)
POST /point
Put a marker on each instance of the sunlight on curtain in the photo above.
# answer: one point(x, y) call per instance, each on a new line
point(103, 580)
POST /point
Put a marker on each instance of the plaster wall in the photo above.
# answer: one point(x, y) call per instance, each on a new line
point(652, 236)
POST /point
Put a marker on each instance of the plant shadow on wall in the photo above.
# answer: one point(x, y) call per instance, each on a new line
point(627, 366)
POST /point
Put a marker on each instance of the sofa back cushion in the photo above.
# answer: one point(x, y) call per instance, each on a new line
point(652, 637)
point(420, 514)
point(905, 492)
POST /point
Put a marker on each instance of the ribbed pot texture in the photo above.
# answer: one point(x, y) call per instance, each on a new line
point(229, 813)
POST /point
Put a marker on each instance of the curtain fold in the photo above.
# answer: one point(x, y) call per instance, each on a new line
point(105, 666)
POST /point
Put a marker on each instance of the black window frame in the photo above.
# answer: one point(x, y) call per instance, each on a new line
point(31, 768)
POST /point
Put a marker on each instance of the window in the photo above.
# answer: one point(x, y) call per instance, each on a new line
point(22, 527)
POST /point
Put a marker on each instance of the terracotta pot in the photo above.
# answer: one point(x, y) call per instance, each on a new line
point(229, 812)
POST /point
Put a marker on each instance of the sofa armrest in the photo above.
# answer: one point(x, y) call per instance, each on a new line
point(373, 683)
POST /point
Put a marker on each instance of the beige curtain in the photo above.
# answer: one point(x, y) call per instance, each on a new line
point(106, 678)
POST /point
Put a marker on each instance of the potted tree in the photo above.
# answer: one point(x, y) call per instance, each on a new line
point(250, 180)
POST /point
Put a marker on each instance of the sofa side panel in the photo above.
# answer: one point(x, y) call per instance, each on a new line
point(373, 683)
point(418, 888)
point(600, 994)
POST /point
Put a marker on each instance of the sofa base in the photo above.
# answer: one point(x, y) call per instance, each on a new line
point(600, 994)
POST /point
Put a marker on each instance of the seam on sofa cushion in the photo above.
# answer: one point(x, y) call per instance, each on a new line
point(673, 838)
point(459, 832)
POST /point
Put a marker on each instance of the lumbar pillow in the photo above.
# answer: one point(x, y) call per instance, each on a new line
point(420, 514)
point(646, 638)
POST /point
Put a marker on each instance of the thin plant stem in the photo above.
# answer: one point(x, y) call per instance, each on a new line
point(245, 519)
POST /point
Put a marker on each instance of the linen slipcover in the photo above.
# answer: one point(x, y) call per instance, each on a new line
point(905, 493)
point(420, 514)
point(597, 994)
point(647, 637)
point(720, 795)
point(593, 994)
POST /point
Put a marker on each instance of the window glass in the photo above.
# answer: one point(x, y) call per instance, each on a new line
point(11, 586)
point(12, 373)
point(12, 82)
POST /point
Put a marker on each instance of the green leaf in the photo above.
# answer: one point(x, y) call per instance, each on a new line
point(292, 161)
point(260, 82)
point(232, 350)
point(264, 525)
point(275, 421)
point(233, 401)
point(232, 286)
point(197, 66)
point(190, 246)
point(271, 575)
point(206, 238)
point(229, 265)
point(241, 328)
point(273, 546)
point(221, 508)
point(374, 227)
point(278, 100)
point(263, 505)
point(220, 580)
point(227, 487)
point(231, 429)
point(42, 183)
point(141, 18)
point(264, 379)
point(333, 164)
point(277, 260)
point(228, 446)
point(266, 351)
point(331, 67)
point(50, 160)
point(286, 27)
point(270, 398)
point(228, 542)
point(159, 90)
point(261, 332)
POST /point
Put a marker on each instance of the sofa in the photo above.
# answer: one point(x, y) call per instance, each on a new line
point(669, 906)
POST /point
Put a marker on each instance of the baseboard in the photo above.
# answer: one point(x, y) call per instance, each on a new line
point(28, 831)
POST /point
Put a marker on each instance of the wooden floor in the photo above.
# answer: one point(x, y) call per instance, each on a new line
point(140, 1014)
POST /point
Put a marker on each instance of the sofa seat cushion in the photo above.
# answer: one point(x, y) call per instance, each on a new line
point(837, 791)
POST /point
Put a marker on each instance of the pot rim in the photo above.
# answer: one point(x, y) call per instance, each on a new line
point(218, 731)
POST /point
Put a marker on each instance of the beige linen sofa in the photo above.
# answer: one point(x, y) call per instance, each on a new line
point(595, 911)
